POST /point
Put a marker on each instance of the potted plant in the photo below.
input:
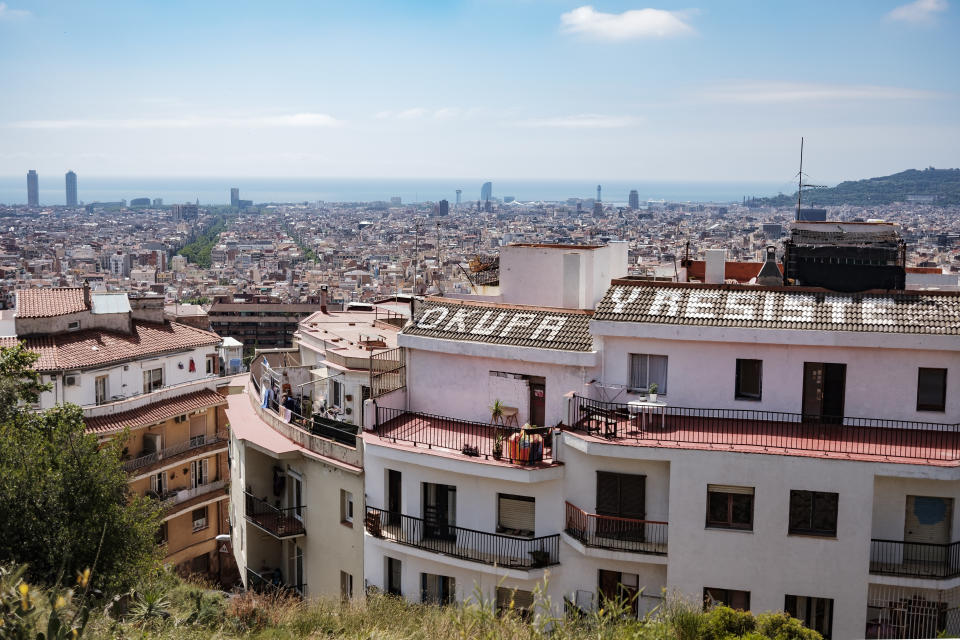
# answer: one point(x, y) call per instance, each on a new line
point(496, 412)
point(653, 391)
point(540, 557)
point(498, 446)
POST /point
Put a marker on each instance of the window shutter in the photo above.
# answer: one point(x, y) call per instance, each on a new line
point(729, 488)
point(153, 483)
point(633, 496)
point(198, 426)
point(193, 473)
point(608, 493)
point(517, 514)
point(206, 471)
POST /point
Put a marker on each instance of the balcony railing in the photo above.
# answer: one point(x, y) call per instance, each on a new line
point(197, 442)
point(768, 430)
point(281, 523)
point(467, 544)
point(317, 424)
point(474, 439)
point(914, 559)
point(174, 497)
point(269, 584)
point(617, 534)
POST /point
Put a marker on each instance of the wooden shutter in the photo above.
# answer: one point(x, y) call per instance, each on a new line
point(517, 513)
point(206, 471)
point(633, 496)
point(608, 493)
point(729, 488)
point(198, 426)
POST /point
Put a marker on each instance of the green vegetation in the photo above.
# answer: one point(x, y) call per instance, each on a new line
point(943, 184)
point(308, 254)
point(197, 251)
point(63, 498)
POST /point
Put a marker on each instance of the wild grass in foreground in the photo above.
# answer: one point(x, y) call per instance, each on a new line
point(166, 607)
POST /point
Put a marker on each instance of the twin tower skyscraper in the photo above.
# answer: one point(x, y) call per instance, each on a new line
point(33, 189)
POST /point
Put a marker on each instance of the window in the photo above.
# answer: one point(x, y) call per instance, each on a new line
point(199, 472)
point(728, 597)
point(437, 589)
point(198, 430)
point(729, 507)
point(515, 600)
point(101, 389)
point(394, 584)
point(515, 515)
point(932, 389)
point(296, 488)
point(200, 518)
point(152, 380)
point(813, 513)
point(749, 378)
point(337, 393)
point(346, 507)
point(621, 495)
point(158, 483)
point(814, 613)
point(646, 370)
point(346, 585)
point(161, 536)
point(213, 363)
point(73, 326)
point(619, 587)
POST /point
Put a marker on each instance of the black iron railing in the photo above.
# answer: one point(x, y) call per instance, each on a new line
point(272, 584)
point(318, 424)
point(914, 559)
point(768, 430)
point(467, 544)
point(618, 534)
point(476, 439)
point(281, 523)
point(196, 442)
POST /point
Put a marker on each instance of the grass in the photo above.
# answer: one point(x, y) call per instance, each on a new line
point(167, 607)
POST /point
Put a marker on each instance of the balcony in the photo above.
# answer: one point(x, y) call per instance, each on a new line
point(175, 498)
point(616, 534)
point(280, 523)
point(529, 448)
point(914, 559)
point(867, 439)
point(272, 585)
point(193, 445)
point(466, 544)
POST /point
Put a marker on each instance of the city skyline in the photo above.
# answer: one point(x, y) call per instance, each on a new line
point(668, 92)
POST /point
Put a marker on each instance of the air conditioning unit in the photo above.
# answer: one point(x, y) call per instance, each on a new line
point(71, 381)
point(126, 367)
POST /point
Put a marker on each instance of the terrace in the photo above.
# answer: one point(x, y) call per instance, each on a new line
point(615, 533)
point(771, 432)
point(193, 446)
point(280, 523)
point(914, 559)
point(496, 443)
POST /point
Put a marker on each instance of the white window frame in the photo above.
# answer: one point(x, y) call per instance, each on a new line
point(149, 386)
point(104, 383)
point(661, 385)
point(346, 506)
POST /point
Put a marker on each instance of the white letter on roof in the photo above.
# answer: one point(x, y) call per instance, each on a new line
point(459, 319)
point(440, 312)
point(739, 306)
point(668, 297)
point(553, 324)
point(480, 330)
point(769, 299)
point(875, 311)
point(518, 320)
point(617, 296)
point(838, 307)
point(698, 306)
point(802, 305)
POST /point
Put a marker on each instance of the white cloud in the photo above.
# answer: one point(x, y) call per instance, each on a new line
point(417, 113)
point(583, 121)
point(188, 122)
point(6, 13)
point(637, 23)
point(412, 114)
point(919, 11)
point(786, 92)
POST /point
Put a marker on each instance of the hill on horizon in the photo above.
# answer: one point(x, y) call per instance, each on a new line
point(942, 184)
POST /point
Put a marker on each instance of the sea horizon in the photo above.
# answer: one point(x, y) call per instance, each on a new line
point(216, 190)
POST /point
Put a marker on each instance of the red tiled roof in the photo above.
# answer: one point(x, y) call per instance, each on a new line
point(97, 347)
point(155, 412)
point(50, 302)
point(739, 271)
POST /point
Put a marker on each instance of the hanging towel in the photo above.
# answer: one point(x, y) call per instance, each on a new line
point(286, 414)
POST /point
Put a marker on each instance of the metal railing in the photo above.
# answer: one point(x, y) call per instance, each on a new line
point(195, 442)
point(475, 439)
point(467, 544)
point(174, 497)
point(914, 559)
point(769, 429)
point(388, 371)
point(281, 523)
point(618, 534)
point(317, 423)
point(261, 584)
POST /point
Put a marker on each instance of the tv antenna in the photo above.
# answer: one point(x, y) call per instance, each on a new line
point(800, 184)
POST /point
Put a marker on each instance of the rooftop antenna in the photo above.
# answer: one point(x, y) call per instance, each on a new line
point(800, 180)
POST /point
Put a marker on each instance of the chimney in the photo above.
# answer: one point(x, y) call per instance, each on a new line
point(86, 294)
point(323, 299)
point(716, 267)
point(770, 275)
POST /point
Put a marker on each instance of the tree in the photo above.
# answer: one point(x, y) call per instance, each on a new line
point(61, 493)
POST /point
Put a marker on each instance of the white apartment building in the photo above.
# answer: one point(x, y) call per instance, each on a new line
point(802, 453)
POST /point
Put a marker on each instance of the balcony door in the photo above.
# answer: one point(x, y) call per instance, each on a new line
point(439, 511)
point(823, 391)
point(622, 497)
point(538, 402)
point(394, 502)
point(927, 529)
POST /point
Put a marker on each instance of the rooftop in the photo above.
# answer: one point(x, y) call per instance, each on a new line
point(50, 302)
point(155, 412)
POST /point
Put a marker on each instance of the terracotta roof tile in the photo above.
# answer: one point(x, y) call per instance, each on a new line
point(50, 302)
point(155, 412)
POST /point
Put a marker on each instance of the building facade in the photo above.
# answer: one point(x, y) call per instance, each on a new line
point(33, 188)
point(71, 184)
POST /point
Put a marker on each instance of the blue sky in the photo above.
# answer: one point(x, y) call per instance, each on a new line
point(500, 88)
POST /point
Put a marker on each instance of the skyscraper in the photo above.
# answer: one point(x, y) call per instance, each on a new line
point(234, 196)
point(33, 188)
point(598, 204)
point(634, 200)
point(486, 191)
point(71, 189)
point(459, 193)
point(443, 208)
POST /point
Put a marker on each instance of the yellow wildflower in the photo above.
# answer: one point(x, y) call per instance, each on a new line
point(24, 590)
point(84, 578)
point(60, 603)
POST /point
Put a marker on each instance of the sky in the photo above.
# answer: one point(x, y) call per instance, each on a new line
point(500, 89)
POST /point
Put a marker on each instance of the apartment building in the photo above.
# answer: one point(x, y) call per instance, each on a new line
point(155, 381)
point(259, 322)
point(801, 452)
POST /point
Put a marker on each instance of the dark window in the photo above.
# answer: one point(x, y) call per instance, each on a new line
point(749, 379)
point(393, 577)
point(814, 613)
point(932, 390)
point(729, 507)
point(621, 494)
point(729, 597)
point(813, 513)
point(516, 600)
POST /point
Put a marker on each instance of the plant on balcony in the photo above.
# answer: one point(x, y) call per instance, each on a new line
point(496, 412)
point(540, 557)
point(470, 450)
point(653, 391)
point(498, 446)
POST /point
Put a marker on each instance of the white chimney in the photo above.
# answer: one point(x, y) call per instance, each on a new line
point(716, 266)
